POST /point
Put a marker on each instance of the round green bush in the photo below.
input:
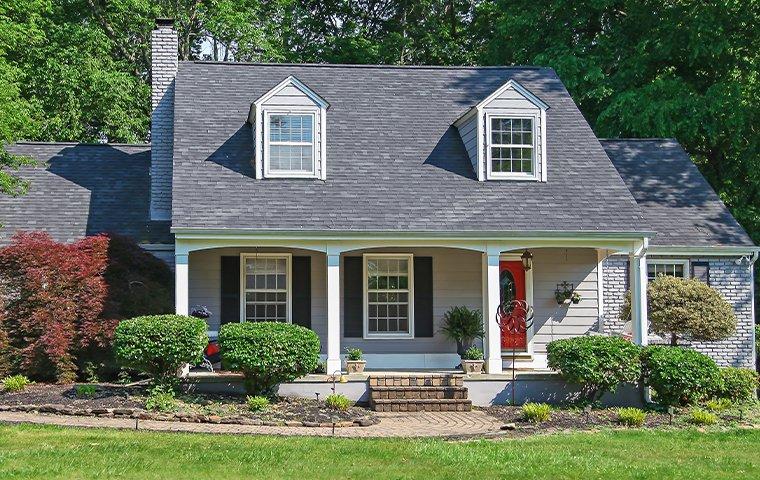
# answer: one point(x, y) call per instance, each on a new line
point(739, 385)
point(268, 353)
point(679, 376)
point(160, 344)
point(599, 364)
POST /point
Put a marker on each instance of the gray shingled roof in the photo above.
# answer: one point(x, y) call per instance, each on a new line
point(84, 190)
point(676, 199)
point(395, 162)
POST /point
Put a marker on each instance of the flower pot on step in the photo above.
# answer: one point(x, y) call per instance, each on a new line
point(355, 366)
point(472, 367)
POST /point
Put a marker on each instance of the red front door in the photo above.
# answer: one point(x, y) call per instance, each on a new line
point(512, 287)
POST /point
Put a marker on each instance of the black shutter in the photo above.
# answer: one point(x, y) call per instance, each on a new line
point(301, 284)
point(230, 290)
point(423, 296)
point(701, 271)
point(353, 297)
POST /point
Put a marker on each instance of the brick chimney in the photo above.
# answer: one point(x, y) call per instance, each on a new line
point(163, 70)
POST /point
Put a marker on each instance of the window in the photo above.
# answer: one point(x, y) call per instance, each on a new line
point(672, 268)
point(388, 297)
point(290, 144)
point(511, 149)
point(266, 288)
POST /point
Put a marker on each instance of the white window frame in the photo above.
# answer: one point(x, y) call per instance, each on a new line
point(489, 144)
point(314, 141)
point(386, 335)
point(670, 261)
point(288, 281)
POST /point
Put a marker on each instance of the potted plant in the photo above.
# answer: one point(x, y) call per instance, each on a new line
point(472, 361)
point(354, 362)
point(463, 326)
point(565, 294)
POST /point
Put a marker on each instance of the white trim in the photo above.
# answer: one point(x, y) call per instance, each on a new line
point(516, 257)
point(686, 251)
point(670, 261)
point(600, 256)
point(288, 281)
point(291, 80)
point(480, 141)
point(266, 114)
point(367, 335)
point(322, 144)
point(544, 164)
point(490, 174)
point(514, 84)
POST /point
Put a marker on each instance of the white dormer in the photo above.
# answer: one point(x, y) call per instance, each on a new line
point(505, 135)
point(289, 125)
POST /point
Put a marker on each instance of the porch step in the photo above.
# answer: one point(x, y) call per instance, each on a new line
point(434, 392)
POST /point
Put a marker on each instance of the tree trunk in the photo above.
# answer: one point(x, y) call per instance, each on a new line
point(673, 340)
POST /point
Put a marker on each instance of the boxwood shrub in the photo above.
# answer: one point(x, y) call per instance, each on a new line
point(159, 345)
point(739, 385)
point(679, 376)
point(599, 364)
point(268, 353)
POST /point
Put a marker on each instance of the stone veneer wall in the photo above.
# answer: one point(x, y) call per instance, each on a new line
point(732, 280)
point(164, 44)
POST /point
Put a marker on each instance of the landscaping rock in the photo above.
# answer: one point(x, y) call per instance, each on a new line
point(123, 411)
point(509, 426)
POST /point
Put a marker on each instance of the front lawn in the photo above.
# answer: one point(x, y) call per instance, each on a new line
point(60, 453)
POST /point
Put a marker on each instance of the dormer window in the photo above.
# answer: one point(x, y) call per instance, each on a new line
point(511, 150)
point(289, 130)
point(289, 149)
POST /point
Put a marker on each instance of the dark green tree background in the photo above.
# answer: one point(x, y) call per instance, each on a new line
point(79, 69)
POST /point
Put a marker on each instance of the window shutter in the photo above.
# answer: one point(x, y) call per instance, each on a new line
point(301, 285)
point(423, 296)
point(701, 271)
point(353, 297)
point(230, 290)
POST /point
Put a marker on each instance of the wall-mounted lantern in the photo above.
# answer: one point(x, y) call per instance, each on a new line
point(527, 260)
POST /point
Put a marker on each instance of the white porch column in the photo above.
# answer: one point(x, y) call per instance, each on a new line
point(639, 279)
point(333, 313)
point(491, 300)
point(181, 281)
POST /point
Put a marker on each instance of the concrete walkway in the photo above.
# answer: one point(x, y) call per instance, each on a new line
point(418, 424)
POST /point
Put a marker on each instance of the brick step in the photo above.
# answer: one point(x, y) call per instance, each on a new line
point(425, 392)
point(417, 380)
point(420, 405)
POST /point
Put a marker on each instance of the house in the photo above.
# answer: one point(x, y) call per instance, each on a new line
point(364, 201)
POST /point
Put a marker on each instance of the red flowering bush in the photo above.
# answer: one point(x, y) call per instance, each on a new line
point(53, 295)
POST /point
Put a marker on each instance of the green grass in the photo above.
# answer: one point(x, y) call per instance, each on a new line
point(59, 453)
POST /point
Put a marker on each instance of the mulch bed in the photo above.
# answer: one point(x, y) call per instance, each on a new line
point(129, 402)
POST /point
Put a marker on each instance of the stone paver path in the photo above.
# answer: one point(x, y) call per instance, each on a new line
point(418, 424)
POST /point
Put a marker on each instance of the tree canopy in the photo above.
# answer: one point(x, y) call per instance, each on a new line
point(79, 69)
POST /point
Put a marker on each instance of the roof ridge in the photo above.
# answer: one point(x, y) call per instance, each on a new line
point(81, 144)
point(379, 66)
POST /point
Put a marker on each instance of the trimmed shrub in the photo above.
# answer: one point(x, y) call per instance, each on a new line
point(15, 383)
point(718, 404)
point(161, 398)
point(686, 308)
point(599, 364)
point(268, 353)
point(86, 391)
point(336, 401)
point(473, 353)
point(739, 385)
point(631, 417)
point(536, 412)
point(679, 376)
point(702, 417)
point(256, 403)
point(160, 344)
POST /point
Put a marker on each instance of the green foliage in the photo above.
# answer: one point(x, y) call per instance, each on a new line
point(15, 383)
point(86, 391)
point(159, 345)
point(256, 403)
point(354, 354)
point(336, 401)
point(739, 385)
point(462, 325)
point(599, 364)
point(702, 417)
point(536, 412)
point(268, 353)
point(161, 398)
point(679, 376)
point(473, 353)
point(718, 404)
point(631, 417)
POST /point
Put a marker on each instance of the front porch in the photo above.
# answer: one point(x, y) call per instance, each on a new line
point(332, 287)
